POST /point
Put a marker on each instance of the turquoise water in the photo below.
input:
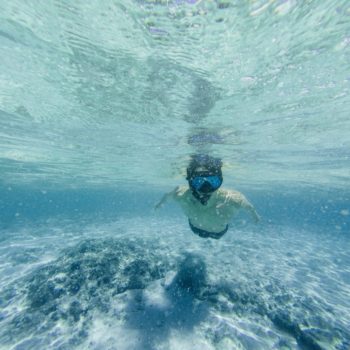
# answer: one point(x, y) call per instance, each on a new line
point(102, 104)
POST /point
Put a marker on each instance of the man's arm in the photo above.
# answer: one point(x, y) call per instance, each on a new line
point(248, 206)
point(166, 197)
point(240, 201)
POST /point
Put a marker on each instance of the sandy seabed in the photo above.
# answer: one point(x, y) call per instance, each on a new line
point(149, 283)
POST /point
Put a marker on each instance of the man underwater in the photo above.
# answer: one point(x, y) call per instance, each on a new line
point(208, 207)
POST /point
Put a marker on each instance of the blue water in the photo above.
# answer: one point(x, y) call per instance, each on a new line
point(102, 105)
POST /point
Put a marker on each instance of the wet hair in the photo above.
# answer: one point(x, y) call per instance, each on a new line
point(210, 164)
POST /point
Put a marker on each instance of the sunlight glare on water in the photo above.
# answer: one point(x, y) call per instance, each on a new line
point(101, 93)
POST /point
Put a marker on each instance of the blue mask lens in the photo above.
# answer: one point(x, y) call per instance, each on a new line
point(198, 181)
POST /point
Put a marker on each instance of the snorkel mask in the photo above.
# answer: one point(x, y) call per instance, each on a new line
point(205, 183)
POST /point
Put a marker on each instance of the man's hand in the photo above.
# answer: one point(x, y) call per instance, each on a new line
point(256, 217)
point(157, 206)
point(165, 198)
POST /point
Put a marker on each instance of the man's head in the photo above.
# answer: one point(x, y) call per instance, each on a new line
point(204, 176)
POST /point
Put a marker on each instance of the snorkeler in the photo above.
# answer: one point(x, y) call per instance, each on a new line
point(209, 209)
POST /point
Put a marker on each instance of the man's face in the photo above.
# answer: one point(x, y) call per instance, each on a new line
point(204, 181)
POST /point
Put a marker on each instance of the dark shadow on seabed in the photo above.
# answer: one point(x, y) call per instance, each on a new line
point(84, 279)
point(88, 279)
point(182, 310)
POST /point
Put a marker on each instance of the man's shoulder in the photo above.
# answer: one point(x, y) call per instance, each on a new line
point(231, 195)
point(181, 191)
